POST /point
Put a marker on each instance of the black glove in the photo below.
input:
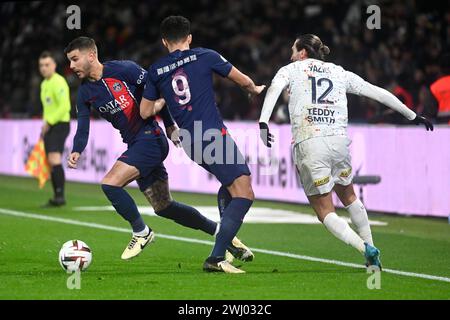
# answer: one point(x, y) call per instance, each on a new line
point(265, 135)
point(419, 119)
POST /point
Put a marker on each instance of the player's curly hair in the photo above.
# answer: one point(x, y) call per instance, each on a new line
point(313, 46)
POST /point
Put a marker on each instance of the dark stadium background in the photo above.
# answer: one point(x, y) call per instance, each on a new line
point(405, 56)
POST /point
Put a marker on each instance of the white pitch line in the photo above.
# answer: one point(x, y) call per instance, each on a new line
point(270, 252)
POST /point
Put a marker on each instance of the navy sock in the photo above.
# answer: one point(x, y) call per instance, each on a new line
point(230, 223)
point(188, 216)
point(125, 206)
point(223, 199)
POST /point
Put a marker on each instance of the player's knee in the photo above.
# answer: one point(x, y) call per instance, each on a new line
point(247, 191)
point(350, 200)
point(110, 180)
point(54, 159)
point(351, 196)
point(242, 188)
point(108, 190)
point(53, 164)
point(250, 195)
point(348, 195)
point(321, 217)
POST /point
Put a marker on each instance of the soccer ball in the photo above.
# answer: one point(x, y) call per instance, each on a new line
point(75, 255)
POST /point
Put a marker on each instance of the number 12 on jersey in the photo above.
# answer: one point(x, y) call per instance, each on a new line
point(314, 86)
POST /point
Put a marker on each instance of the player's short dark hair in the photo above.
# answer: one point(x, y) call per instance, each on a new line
point(175, 28)
point(46, 54)
point(313, 46)
point(81, 43)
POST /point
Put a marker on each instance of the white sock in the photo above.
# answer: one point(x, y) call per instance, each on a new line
point(142, 233)
point(217, 229)
point(358, 215)
point(341, 230)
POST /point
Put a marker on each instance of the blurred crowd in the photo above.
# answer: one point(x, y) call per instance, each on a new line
point(405, 56)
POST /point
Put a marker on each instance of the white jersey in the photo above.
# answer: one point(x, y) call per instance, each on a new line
point(317, 97)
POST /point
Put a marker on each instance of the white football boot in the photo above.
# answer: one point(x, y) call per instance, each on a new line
point(212, 264)
point(239, 251)
point(136, 245)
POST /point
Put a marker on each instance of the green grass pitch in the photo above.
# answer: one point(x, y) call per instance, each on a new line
point(172, 269)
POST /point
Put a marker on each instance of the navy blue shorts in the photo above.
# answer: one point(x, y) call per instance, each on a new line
point(221, 157)
point(147, 154)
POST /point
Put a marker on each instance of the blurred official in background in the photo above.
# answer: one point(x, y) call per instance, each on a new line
point(55, 99)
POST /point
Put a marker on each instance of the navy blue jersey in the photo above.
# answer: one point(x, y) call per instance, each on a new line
point(184, 79)
point(116, 97)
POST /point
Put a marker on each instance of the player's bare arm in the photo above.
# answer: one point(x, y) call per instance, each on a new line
point(245, 82)
point(149, 108)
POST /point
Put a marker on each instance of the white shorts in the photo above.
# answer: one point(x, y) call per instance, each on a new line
point(323, 162)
